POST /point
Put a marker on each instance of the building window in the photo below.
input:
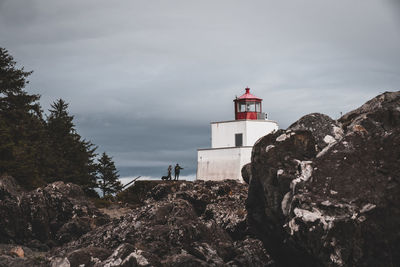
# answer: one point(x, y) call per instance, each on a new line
point(250, 107)
point(239, 139)
point(242, 107)
point(247, 107)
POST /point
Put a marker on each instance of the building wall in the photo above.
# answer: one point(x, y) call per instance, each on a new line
point(258, 128)
point(222, 163)
point(223, 133)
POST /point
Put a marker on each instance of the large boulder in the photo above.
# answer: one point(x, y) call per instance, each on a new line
point(324, 129)
point(47, 216)
point(13, 224)
point(327, 192)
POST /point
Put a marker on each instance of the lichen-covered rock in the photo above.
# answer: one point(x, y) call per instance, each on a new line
point(180, 224)
point(88, 256)
point(379, 113)
point(336, 205)
point(277, 160)
point(324, 129)
point(248, 253)
point(124, 255)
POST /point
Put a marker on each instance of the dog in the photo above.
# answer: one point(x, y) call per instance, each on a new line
point(165, 178)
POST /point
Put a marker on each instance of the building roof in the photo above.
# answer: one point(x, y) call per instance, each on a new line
point(248, 96)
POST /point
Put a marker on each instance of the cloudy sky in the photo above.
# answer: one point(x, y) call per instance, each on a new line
point(145, 78)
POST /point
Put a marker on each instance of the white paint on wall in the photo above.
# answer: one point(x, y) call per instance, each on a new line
point(222, 163)
point(223, 133)
point(255, 129)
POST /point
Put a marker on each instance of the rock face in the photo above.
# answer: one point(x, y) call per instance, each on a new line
point(327, 192)
point(324, 129)
point(45, 217)
point(180, 224)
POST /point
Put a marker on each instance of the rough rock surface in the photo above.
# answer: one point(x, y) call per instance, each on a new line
point(180, 224)
point(12, 255)
point(327, 192)
point(246, 173)
point(324, 129)
point(45, 217)
point(173, 224)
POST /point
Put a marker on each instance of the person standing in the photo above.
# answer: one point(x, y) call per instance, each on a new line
point(177, 171)
point(169, 172)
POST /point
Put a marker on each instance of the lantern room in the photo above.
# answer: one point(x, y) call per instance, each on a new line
point(248, 107)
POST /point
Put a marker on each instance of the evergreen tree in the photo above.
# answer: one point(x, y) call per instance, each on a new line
point(35, 151)
point(72, 158)
point(108, 176)
point(21, 125)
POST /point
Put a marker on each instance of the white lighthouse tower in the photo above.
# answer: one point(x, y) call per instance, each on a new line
point(232, 141)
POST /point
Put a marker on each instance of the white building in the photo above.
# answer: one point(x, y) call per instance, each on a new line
point(232, 141)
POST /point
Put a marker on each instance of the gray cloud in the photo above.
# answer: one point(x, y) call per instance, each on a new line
point(145, 78)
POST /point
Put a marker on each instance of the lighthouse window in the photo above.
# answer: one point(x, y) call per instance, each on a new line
point(239, 139)
point(258, 107)
point(251, 107)
point(248, 107)
point(242, 107)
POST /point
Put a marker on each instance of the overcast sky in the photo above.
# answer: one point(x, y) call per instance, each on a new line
point(145, 78)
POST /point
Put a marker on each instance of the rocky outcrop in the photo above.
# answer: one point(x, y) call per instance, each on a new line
point(12, 255)
point(324, 129)
point(169, 224)
point(45, 217)
point(179, 224)
point(327, 192)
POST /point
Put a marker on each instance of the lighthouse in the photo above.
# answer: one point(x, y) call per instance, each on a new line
point(232, 141)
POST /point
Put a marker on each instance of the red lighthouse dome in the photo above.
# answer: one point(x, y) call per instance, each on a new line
point(248, 107)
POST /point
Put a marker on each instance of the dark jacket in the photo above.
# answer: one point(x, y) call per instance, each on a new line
point(178, 169)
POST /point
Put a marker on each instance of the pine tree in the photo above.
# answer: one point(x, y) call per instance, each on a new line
point(72, 158)
point(21, 125)
point(108, 176)
point(60, 132)
point(35, 151)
